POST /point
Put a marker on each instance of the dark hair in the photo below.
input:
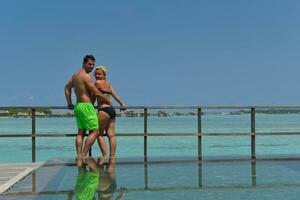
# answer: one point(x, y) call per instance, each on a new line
point(88, 57)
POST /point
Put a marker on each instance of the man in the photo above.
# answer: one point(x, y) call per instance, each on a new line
point(86, 117)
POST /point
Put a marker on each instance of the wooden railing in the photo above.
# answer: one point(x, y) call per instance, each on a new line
point(199, 134)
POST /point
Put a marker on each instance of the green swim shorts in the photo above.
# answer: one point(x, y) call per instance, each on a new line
point(86, 116)
point(86, 185)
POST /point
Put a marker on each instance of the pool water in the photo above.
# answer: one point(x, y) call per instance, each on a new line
point(96, 179)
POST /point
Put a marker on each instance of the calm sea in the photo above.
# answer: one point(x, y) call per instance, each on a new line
point(19, 149)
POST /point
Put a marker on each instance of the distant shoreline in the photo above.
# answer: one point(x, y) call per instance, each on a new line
point(49, 114)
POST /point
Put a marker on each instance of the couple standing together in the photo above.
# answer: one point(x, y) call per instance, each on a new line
point(87, 92)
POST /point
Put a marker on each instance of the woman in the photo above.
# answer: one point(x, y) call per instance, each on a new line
point(106, 113)
point(108, 184)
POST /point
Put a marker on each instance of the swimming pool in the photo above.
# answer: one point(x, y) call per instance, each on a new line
point(184, 178)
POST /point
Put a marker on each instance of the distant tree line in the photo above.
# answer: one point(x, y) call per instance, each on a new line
point(13, 112)
point(268, 111)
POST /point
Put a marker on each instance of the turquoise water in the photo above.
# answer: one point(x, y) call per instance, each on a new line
point(178, 180)
point(19, 149)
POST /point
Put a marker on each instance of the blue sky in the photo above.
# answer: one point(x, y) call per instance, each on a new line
point(170, 52)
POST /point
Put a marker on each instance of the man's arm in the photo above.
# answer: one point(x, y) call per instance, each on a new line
point(68, 90)
point(99, 95)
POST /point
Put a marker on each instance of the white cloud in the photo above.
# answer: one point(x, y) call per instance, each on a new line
point(30, 97)
point(22, 96)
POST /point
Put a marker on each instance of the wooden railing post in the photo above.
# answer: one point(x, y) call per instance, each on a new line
point(199, 134)
point(145, 133)
point(33, 135)
point(253, 154)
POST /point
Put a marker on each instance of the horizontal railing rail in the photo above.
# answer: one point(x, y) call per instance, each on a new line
point(199, 112)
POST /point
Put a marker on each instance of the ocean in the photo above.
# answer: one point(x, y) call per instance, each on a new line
point(19, 149)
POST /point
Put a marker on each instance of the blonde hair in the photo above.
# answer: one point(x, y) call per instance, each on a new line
point(101, 68)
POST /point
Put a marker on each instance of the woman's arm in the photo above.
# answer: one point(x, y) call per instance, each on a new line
point(116, 97)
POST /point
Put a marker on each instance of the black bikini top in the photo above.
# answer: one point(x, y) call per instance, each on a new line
point(105, 92)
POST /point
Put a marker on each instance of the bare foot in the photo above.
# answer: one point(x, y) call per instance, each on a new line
point(101, 160)
point(85, 156)
point(79, 161)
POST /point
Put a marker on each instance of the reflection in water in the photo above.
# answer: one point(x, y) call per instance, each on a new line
point(171, 179)
point(87, 179)
point(108, 183)
point(92, 176)
point(253, 170)
point(200, 171)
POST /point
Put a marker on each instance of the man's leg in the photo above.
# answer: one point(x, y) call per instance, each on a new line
point(111, 138)
point(78, 141)
point(89, 141)
point(90, 122)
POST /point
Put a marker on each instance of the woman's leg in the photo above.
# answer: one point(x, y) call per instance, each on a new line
point(111, 137)
point(103, 122)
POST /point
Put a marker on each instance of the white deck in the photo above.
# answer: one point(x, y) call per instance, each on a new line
point(12, 173)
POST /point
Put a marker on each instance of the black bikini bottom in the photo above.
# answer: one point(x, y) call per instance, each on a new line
point(110, 111)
